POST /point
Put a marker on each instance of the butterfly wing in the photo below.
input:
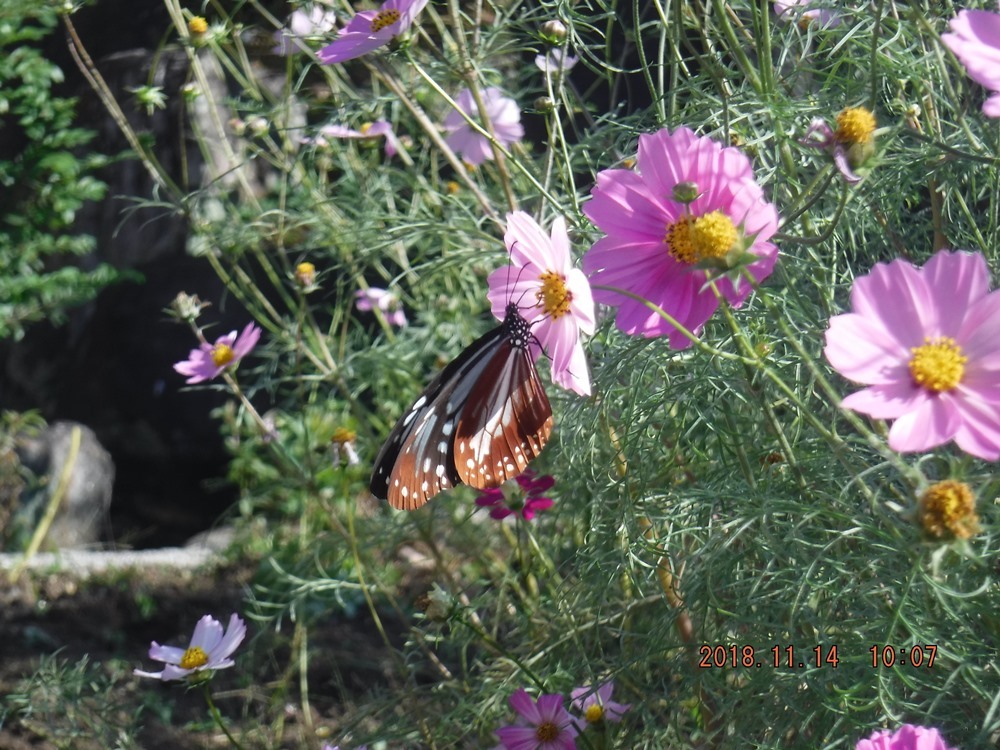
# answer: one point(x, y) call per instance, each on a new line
point(506, 421)
point(417, 460)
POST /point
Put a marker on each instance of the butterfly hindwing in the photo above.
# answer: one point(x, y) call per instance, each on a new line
point(505, 423)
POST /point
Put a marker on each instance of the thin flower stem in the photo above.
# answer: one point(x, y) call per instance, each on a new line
point(736, 48)
point(218, 716)
point(471, 77)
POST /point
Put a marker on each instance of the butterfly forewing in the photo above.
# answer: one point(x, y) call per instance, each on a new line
point(505, 423)
point(417, 460)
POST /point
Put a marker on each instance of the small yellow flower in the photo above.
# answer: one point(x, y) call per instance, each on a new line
point(305, 274)
point(856, 125)
point(948, 510)
point(197, 26)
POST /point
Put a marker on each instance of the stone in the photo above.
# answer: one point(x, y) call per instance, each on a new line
point(83, 510)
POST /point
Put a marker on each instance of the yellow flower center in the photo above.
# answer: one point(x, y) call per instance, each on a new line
point(365, 127)
point(938, 365)
point(594, 713)
point(222, 355)
point(305, 271)
point(949, 508)
point(384, 18)
point(547, 732)
point(193, 658)
point(452, 187)
point(197, 26)
point(693, 239)
point(343, 435)
point(855, 125)
point(554, 297)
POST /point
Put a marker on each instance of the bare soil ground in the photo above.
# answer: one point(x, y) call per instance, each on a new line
point(111, 620)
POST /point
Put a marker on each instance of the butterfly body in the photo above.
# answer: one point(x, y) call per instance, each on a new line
point(480, 421)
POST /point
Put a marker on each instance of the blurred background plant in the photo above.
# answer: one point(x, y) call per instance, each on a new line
point(46, 175)
point(714, 496)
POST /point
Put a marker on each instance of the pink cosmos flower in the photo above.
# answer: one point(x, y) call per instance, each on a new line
point(800, 12)
point(384, 300)
point(975, 40)
point(545, 725)
point(520, 496)
point(370, 130)
point(301, 26)
point(927, 342)
point(209, 650)
point(596, 704)
point(907, 737)
point(504, 115)
point(209, 360)
point(371, 29)
point(693, 206)
point(556, 60)
point(557, 298)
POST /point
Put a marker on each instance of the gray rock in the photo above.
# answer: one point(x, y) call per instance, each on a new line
point(83, 510)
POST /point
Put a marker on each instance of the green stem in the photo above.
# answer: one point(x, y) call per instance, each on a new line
point(218, 717)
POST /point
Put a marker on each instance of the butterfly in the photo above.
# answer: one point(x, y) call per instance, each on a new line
point(480, 421)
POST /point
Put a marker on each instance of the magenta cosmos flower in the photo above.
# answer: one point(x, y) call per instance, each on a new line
point(371, 29)
point(595, 704)
point(553, 297)
point(927, 342)
point(693, 205)
point(545, 725)
point(368, 299)
point(504, 115)
point(369, 131)
point(209, 650)
point(907, 737)
point(801, 12)
point(209, 360)
point(520, 496)
point(975, 40)
point(302, 26)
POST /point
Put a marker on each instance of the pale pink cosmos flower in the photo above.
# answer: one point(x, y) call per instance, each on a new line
point(693, 207)
point(519, 496)
point(371, 29)
point(595, 704)
point(556, 60)
point(975, 40)
point(552, 295)
point(210, 649)
point(545, 725)
point(372, 130)
point(907, 737)
point(368, 299)
point(801, 12)
point(927, 343)
point(301, 26)
point(209, 360)
point(504, 115)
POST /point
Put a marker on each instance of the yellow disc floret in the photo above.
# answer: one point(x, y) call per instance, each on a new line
point(948, 509)
point(553, 296)
point(222, 355)
point(193, 658)
point(197, 26)
point(856, 125)
point(384, 18)
point(594, 713)
point(695, 239)
point(546, 732)
point(938, 365)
